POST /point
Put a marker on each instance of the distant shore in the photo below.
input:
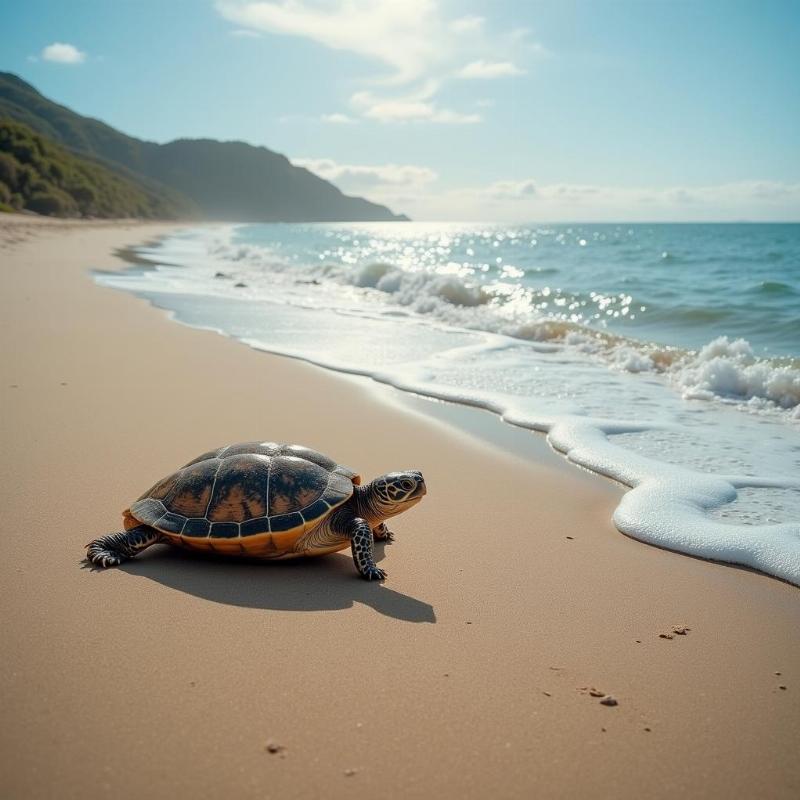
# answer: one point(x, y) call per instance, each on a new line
point(476, 671)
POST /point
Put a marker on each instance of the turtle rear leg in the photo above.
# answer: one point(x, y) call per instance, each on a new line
point(113, 549)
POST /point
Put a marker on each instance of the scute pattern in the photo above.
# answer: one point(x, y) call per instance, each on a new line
point(197, 527)
point(294, 484)
point(240, 489)
point(171, 523)
point(149, 511)
point(253, 489)
point(191, 490)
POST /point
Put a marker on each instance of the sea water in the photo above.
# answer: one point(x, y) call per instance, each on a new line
point(666, 357)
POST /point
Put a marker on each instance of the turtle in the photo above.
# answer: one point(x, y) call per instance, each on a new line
point(264, 500)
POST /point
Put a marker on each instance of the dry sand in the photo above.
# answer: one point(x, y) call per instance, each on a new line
point(468, 674)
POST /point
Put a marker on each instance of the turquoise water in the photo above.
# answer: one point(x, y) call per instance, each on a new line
point(666, 357)
point(679, 285)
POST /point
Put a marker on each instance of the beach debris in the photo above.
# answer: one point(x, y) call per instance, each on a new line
point(603, 729)
point(570, 537)
point(596, 693)
point(677, 630)
point(350, 772)
point(547, 694)
point(221, 275)
point(782, 687)
point(240, 285)
point(647, 730)
point(681, 630)
point(609, 700)
point(274, 748)
point(777, 673)
point(638, 641)
point(469, 622)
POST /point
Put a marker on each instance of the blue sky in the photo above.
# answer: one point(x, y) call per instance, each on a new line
point(560, 110)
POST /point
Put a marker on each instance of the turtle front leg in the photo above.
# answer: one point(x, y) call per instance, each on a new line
point(113, 549)
point(363, 551)
point(358, 531)
point(382, 533)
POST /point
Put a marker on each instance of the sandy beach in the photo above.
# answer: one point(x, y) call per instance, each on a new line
point(471, 673)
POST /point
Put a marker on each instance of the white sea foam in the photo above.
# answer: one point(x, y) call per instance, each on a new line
point(707, 441)
point(729, 370)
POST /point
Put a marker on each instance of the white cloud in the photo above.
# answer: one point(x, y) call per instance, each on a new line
point(527, 200)
point(337, 119)
point(245, 33)
point(386, 31)
point(416, 46)
point(63, 53)
point(418, 191)
point(512, 189)
point(414, 107)
point(468, 24)
point(359, 176)
point(489, 69)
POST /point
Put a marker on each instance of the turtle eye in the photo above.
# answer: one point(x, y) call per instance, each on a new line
point(407, 486)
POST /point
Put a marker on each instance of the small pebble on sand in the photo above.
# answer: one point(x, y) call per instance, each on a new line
point(273, 747)
point(596, 693)
point(783, 688)
point(665, 636)
point(681, 630)
point(350, 772)
point(609, 701)
point(547, 694)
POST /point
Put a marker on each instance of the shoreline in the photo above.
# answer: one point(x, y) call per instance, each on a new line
point(466, 675)
point(675, 504)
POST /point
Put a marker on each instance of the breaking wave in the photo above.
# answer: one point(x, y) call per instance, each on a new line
point(725, 369)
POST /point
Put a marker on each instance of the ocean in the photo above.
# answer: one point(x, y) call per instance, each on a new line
point(665, 357)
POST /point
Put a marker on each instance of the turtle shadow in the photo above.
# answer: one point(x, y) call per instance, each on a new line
point(314, 584)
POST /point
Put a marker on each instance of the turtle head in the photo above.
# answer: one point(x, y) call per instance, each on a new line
point(395, 492)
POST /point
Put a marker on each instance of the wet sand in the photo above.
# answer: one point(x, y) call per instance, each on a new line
point(469, 673)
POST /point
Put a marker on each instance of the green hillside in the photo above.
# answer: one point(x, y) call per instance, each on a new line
point(223, 180)
point(38, 175)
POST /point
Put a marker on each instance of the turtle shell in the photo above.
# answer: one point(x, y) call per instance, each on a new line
point(254, 498)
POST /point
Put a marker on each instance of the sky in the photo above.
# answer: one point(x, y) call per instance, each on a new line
point(559, 110)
